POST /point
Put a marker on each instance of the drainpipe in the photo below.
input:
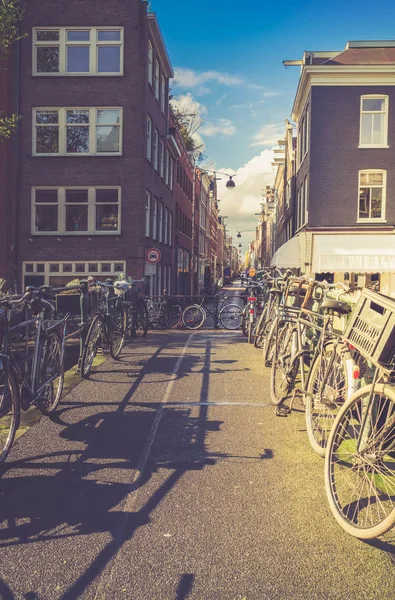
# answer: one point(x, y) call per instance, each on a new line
point(16, 172)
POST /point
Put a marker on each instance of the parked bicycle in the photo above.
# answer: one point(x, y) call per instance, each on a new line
point(31, 362)
point(229, 316)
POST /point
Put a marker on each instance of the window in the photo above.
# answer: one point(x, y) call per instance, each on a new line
point(171, 229)
point(162, 158)
point(149, 138)
point(150, 62)
point(157, 79)
point(161, 222)
point(171, 182)
point(83, 131)
point(156, 149)
point(167, 160)
point(147, 214)
point(374, 121)
point(154, 219)
point(163, 93)
point(78, 51)
point(371, 201)
point(166, 232)
point(74, 210)
point(59, 273)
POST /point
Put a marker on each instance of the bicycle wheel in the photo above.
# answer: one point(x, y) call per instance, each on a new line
point(281, 378)
point(142, 318)
point(118, 331)
point(93, 337)
point(230, 316)
point(193, 316)
point(260, 327)
point(269, 345)
point(323, 405)
point(50, 366)
point(9, 412)
point(360, 463)
point(244, 322)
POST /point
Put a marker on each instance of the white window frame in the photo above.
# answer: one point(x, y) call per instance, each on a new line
point(161, 158)
point(73, 269)
point(167, 166)
point(156, 149)
point(149, 138)
point(163, 93)
point(62, 130)
point(160, 220)
point(166, 226)
point(154, 219)
point(381, 219)
point(61, 204)
point(150, 62)
point(171, 175)
point(171, 229)
point(384, 112)
point(157, 80)
point(93, 44)
point(147, 214)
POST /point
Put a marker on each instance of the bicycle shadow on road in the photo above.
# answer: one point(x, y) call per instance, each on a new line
point(88, 485)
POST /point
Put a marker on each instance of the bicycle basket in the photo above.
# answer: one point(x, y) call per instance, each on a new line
point(371, 328)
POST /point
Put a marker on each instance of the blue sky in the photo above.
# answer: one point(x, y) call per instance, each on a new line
point(228, 56)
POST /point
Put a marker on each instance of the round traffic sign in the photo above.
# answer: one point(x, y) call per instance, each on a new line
point(153, 256)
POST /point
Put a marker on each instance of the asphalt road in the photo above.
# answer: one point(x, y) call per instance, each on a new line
point(168, 476)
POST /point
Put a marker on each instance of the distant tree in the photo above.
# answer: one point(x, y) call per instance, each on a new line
point(11, 12)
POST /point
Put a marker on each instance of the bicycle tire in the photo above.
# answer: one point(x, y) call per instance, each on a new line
point(230, 316)
point(371, 469)
point(279, 382)
point(193, 316)
point(9, 412)
point(50, 362)
point(321, 412)
point(118, 331)
point(249, 331)
point(259, 332)
point(244, 322)
point(91, 345)
point(142, 318)
point(270, 344)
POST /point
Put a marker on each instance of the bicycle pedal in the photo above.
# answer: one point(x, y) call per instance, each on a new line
point(282, 411)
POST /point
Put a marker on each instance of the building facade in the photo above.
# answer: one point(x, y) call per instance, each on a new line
point(94, 157)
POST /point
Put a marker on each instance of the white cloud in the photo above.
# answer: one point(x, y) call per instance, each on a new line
point(271, 94)
point(186, 104)
point(269, 135)
point(242, 202)
point(187, 78)
point(221, 99)
point(221, 127)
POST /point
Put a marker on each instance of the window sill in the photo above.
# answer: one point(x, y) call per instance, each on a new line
point(74, 233)
point(77, 74)
point(361, 221)
point(78, 155)
point(373, 146)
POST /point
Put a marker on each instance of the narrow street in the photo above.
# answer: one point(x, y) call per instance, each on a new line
point(168, 476)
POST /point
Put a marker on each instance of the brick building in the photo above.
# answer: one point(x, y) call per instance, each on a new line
point(95, 158)
point(345, 208)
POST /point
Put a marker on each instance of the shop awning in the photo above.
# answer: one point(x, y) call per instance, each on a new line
point(362, 253)
point(288, 255)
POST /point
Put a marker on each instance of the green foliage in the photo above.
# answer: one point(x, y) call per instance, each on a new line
point(11, 12)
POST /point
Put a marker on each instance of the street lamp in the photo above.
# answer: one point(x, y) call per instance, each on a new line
point(230, 184)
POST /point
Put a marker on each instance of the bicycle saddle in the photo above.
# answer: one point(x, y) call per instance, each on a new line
point(341, 307)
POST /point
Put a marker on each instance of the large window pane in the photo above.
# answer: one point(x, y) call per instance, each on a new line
point(378, 128)
point(77, 139)
point(48, 59)
point(107, 139)
point(106, 217)
point(366, 129)
point(77, 59)
point(76, 218)
point(375, 178)
point(46, 116)
point(364, 203)
point(77, 116)
point(47, 140)
point(46, 218)
point(376, 202)
point(78, 35)
point(109, 59)
point(109, 36)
